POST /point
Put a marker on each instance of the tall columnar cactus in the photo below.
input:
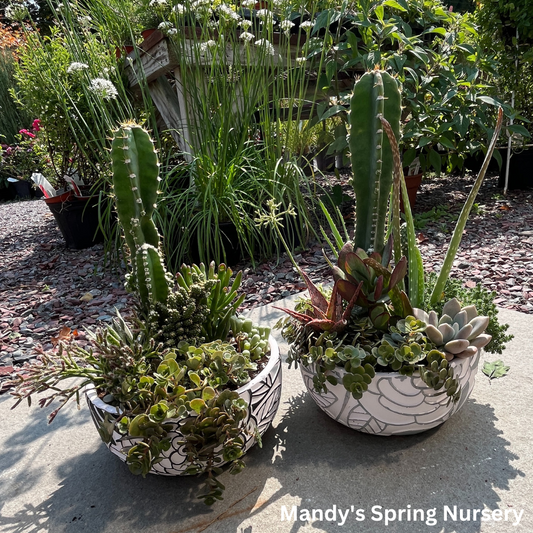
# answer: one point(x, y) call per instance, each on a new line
point(135, 180)
point(375, 95)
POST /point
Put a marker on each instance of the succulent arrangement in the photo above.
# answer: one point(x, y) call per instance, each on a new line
point(373, 319)
point(183, 355)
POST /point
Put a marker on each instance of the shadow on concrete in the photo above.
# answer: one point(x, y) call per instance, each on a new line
point(322, 463)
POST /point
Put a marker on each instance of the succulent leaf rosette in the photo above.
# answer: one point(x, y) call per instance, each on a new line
point(459, 332)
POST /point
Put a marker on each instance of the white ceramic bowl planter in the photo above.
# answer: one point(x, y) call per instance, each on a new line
point(393, 404)
point(262, 394)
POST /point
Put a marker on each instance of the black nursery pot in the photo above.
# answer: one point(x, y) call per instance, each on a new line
point(22, 189)
point(230, 242)
point(520, 170)
point(77, 218)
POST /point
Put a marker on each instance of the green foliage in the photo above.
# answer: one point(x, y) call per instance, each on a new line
point(12, 119)
point(478, 296)
point(150, 386)
point(71, 80)
point(496, 369)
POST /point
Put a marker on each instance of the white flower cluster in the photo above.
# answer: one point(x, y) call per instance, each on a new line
point(248, 3)
point(246, 36)
point(286, 26)
point(158, 3)
point(179, 9)
point(16, 12)
point(85, 21)
point(307, 25)
point(103, 88)
point(76, 67)
point(167, 28)
point(245, 24)
point(226, 12)
point(207, 46)
point(265, 16)
point(266, 45)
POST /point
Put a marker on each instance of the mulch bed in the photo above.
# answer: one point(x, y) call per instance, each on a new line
point(45, 287)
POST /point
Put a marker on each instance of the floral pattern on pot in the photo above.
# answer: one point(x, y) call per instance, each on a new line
point(393, 404)
point(262, 394)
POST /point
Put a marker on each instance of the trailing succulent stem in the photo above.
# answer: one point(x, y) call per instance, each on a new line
point(135, 181)
point(375, 95)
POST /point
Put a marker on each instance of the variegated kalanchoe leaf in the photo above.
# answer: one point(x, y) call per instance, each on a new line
point(459, 332)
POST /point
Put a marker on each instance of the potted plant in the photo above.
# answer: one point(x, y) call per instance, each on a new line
point(379, 352)
point(187, 387)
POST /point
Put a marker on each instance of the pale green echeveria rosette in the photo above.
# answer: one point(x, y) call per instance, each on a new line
point(459, 332)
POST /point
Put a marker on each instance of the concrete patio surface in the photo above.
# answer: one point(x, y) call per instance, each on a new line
point(61, 478)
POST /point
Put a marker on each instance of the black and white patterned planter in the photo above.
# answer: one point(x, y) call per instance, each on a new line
point(262, 395)
point(393, 404)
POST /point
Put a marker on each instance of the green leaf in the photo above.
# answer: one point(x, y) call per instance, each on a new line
point(195, 378)
point(517, 128)
point(496, 369)
point(434, 159)
point(208, 393)
point(197, 404)
point(489, 100)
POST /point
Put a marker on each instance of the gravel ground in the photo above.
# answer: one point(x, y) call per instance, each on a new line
point(44, 287)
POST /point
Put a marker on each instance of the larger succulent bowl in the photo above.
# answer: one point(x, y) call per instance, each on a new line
point(262, 394)
point(393, 404)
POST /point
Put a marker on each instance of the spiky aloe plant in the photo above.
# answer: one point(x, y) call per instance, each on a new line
point(135, 181)
point(375, 95)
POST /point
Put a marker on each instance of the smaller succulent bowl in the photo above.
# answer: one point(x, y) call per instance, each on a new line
point(262, 394)
point(393, 404)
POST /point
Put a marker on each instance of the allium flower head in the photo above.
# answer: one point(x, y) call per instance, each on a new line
point(245, 24)
point(179, 9)
point(76, 67)
point(246, 36)
point(266, 45)
point(103, 88)
point(307, 25)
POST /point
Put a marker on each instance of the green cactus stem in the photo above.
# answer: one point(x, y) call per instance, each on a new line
point(135, 181)
point(375, 95)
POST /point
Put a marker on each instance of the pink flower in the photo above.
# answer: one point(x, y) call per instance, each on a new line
point(28, 133)
point(36, 126)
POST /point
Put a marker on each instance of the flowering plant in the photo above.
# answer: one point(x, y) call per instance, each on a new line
point(27, 155)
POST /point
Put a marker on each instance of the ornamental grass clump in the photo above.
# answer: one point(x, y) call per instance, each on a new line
point(182, 354)
point(372, 320)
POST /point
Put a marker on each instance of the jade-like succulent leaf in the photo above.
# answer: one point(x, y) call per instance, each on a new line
point(464, 332)
point(471, 312)
point(433, 318)
point(445, 319)
point(461, 319)
point(354, 266)
point(447, 332)
point(399, 272)
point(451, 308)
point(378, 288)
point(479, 324)
point(469, 352)
point(481, 340)
point(457, 346)
point(434, 335)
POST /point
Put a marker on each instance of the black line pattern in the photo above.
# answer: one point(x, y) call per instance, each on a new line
point(393, 404)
